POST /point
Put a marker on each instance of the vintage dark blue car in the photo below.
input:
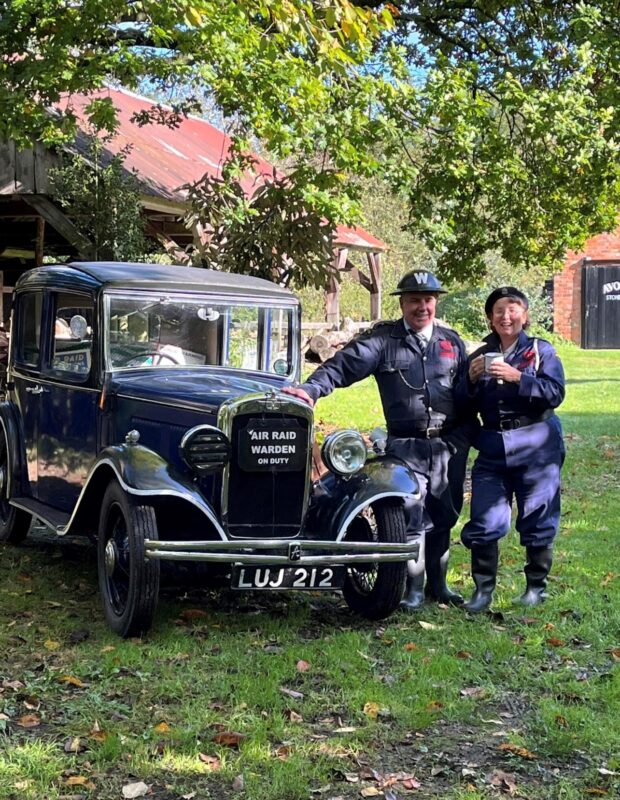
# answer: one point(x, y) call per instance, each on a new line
point(143, 409)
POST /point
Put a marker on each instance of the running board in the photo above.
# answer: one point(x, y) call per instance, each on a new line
point(51, 517)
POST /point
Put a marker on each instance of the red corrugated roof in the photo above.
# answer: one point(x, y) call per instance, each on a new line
point(167, 158)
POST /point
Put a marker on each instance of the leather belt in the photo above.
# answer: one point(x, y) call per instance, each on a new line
point(513, 423)
point(419, 433)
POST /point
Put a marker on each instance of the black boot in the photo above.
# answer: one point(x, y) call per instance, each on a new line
point(437, 554)
point(484, 561)
point(414, 592)
point(539, 560)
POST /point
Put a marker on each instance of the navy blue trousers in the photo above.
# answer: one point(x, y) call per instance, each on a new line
point(521, 465)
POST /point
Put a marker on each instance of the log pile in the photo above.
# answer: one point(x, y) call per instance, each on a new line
point(323, 345)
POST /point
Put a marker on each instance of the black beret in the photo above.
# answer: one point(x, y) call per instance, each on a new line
point(504, 291)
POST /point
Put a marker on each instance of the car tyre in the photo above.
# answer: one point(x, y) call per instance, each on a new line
point(128, 581)
point(14, 523)
point(374, 590)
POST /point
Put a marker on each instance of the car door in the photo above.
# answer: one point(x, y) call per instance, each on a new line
point(27, 347)
point(67, 430)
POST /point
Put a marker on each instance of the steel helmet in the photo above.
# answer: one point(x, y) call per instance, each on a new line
point(419, 280)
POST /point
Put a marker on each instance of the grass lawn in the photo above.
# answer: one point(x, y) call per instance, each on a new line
point(291, 696)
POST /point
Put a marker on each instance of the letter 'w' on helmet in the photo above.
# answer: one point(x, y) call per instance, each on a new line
point(419, 280)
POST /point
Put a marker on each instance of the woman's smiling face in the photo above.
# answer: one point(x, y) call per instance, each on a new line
point(508, 318)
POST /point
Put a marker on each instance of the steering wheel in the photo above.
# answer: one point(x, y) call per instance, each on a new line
point(154, 354)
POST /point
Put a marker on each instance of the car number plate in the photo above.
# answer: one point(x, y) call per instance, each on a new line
point(274, 578)
point(272, 444)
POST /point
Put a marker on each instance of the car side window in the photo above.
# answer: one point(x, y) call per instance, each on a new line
point(28, 329)
point(73, 335)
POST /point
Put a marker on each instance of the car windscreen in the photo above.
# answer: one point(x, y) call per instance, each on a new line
point(147, 331)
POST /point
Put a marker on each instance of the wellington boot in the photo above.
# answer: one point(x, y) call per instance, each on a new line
point(539, 560)
point(484, 562)
point(437, 554)
point(414, 591)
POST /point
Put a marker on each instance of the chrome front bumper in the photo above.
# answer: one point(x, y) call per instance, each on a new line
point(283, 553)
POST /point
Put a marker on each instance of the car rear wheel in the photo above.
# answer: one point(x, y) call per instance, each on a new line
point(14, 523)
point(128, 581)
point(375, 590)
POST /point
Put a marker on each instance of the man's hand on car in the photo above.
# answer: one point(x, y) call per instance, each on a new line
point(297, 391)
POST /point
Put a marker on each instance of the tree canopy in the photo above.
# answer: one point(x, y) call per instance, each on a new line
point(498, 122)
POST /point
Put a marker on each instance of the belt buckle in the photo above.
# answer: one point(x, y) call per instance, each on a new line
point(509, 424)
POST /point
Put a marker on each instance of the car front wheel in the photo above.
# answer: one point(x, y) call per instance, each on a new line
point(375, 590)
point(14, 523)
point(128, 581)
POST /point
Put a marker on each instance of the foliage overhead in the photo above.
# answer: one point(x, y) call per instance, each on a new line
point(497, 121)
point(103, 199)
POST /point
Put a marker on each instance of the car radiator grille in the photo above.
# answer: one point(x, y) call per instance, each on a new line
point(266, 503)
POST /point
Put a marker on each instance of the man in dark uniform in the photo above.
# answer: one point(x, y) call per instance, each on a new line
point(416, 364)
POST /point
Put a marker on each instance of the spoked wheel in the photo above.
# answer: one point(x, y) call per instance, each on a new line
point(375, 590)
point(128, 581)
point(14, 523)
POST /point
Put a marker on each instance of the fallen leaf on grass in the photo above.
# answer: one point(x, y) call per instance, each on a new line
point(293, 716)
point(51, 644)
point(192, 613)
point(504, 781)
point(302, 666)
point(516, 750)
point(434, 705)
point(463, 654)
point(410, 646)
point(238, 783)
point(561, 721)
point(132, 790)
point(74, 745)
point(371, 791)
point(429, 626)
point(549, 626)
point(552, 641)
point(596, 790)
point(292, 693)
point(70, 680)
point(32, 703)
point(604, 771)
point(473, 691)
point(615, 653)
point(29, 721)
point(109, 648)
point(15, 685)
point(351, 777)
point(228, 738)
point(163, 727)
point(282, 752)
point(608, 579)
point(371, 710)
point(23, 784)
point(411, 783)
point(212, 762)
point(80, 780)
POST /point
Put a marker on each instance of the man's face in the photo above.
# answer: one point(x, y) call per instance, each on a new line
point(418, 309)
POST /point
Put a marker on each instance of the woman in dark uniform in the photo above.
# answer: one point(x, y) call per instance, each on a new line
point(514, 381)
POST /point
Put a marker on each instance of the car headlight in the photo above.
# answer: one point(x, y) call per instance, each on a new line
point(344, 452)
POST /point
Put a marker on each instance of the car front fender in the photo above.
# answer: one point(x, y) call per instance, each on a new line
point(17, 474)
point(142, 473)
point(336, 501)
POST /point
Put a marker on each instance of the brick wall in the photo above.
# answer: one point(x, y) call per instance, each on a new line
point(567, 284)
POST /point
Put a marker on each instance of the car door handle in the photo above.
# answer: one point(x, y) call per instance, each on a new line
point(36, 389)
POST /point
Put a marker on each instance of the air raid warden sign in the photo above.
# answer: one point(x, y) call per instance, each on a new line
point(272, 444)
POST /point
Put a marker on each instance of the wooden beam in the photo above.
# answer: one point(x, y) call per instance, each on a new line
point(332, 292)
point(374, 263)
point(61, 223)
point(40, 244)
point(169, 245)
